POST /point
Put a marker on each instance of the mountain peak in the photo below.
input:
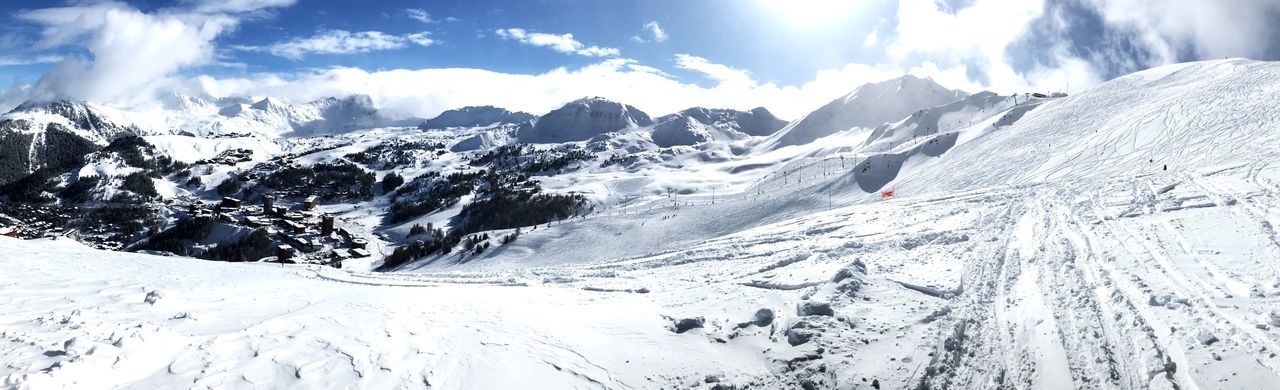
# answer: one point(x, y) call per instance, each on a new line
point(268, 104)
point(868, 106)
point(582, 119)
point(475, 116)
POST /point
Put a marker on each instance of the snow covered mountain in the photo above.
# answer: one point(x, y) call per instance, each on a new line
point(55, 134)
point(758, 122)
point(475, 117)
point(866, 107)
point(582, 119)
point(697, 125)
point(273, 118)
point(683, 130)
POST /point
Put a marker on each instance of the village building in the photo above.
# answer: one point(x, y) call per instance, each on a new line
point(326, 225)
point(359, 243)
point(229, 204)
point(284, 253)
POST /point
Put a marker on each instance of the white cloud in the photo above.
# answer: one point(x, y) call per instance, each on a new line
point(872, 38)
point(39, 59)
point(130, 49)
point(420, 15)
point(130, 52)
point(238, 6)
point(421, 38)
point(722, 73)
point(1212, 29)
point(650, 32)
point(341, 42)
point(977, 36)
point(564, 43)
point(427, 92)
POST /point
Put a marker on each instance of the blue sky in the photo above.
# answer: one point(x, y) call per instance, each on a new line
point(790, 54)
point(464, 32)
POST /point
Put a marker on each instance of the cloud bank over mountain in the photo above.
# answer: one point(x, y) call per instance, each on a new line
point(117, 53)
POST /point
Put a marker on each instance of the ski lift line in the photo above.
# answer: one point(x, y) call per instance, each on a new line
point(897, 148)
point(763, 185)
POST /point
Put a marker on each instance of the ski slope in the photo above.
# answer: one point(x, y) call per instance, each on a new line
point(1168, 281)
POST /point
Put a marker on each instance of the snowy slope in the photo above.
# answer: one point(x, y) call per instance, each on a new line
point(96, 123)
point(867, 106)
point(1039, 285)
point(39, 135)
point(1187, 117)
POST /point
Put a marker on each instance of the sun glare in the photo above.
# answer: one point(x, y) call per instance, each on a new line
point(812, 13)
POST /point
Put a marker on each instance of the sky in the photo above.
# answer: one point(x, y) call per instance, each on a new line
point(420, 57)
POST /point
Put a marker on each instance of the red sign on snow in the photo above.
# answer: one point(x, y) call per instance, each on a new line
point(886, 194)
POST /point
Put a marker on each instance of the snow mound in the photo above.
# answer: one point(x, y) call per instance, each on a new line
point(582, 119)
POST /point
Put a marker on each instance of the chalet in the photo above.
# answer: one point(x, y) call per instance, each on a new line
point(311, 202)
point(11, 232)
point(314, 244)
point(293, 240)
point(204, 216)
point(295, 227)
point(253, 221)
point(359, 253)
point(279, 211)
point(229, 203)
point(284, 253)
point(340, 254)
